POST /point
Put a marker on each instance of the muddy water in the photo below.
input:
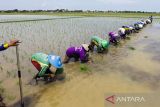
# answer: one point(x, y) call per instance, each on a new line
point(120, 71)
point(50, 36)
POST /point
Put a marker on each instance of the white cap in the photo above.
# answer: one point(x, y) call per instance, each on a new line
point(140, 25)
point(121, 30)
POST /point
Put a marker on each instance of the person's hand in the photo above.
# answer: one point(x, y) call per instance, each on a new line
point(51, 75)
point(14, 42)
point(90, 60)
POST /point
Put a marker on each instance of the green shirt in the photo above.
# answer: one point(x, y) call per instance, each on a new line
point(42, 60)
point(100, 43)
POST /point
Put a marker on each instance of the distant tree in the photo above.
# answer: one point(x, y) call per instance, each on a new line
point(15, 10)
point(78, 10)
point(24, 11)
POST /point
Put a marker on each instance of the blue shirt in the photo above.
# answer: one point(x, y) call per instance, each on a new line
point(2, 47)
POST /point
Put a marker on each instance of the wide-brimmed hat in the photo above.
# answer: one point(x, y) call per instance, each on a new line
point(140, 26)
point(148, 21)
point(55, 61)
point(86, 47)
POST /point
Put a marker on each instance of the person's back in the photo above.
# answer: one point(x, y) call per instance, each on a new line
point(77, 53)
point(49, 66)
point(114, 37)
point(97, 40)
point(139, 25)
point(40, 61)
point(74, 51)
point(136, 25)
point(100, 43)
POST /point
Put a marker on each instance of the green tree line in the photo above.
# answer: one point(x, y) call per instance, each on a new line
point(66, 10)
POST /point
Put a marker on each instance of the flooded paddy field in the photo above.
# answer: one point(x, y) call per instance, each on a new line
point(121, 70)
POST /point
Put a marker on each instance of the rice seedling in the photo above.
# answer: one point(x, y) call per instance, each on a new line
point(17, 82)
point(8, 74)
point(22, 57)
point(1, 68)
point(14, 75)
point(145, 36)
point(131, 48)
point(84, 68)
point(11, 60)
point(128, 38)
point(1, 81)
point(2, 89)
point(10, 97)
point(29, 71)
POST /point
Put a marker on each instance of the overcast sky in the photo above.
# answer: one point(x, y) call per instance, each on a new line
point(142, 5)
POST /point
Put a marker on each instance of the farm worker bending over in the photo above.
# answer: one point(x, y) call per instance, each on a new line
point(148, 21)
point(121, 32)
point(143, 22)
point(50, 67)
point(77, 53)
point(101, 44)
point(114, 38)
point(9, 44)
point(131, 28)
point(127, 30)
point(139, 25)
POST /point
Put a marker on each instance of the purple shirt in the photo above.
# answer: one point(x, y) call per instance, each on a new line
point(78, 52)
point(113, 37)
point(112, 34)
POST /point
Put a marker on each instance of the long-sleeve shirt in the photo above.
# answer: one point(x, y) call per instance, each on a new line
point(77, 52)
point(99, 43)
point(113, 37)
point(3, 47)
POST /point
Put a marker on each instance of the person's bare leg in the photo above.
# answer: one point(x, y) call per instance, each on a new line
point(66, 59)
